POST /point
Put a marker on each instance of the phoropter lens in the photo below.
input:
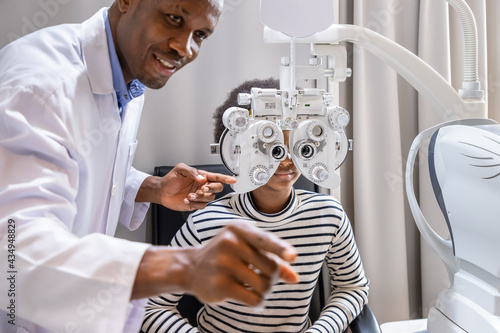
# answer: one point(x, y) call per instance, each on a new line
point(307, 151)
point(278, 152)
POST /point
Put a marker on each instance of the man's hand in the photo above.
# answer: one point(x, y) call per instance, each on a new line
point(240, 263)
point(184, 188)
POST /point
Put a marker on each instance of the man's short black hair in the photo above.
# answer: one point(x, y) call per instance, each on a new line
point(232, 100)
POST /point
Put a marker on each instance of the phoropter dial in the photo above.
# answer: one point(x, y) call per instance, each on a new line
point(338, 117)
point(236, 119)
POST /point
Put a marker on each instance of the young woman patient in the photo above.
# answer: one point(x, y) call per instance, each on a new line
point(315, 224)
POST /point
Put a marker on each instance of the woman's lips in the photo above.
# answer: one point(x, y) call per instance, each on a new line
point(284, 175)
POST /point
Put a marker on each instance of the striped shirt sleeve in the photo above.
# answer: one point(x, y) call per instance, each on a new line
point(348, 283)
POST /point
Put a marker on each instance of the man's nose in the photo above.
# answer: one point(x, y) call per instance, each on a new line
point(183, 45)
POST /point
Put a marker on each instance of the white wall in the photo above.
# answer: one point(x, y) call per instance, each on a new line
point(20, 17)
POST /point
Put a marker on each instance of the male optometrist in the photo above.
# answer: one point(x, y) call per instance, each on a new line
point(70, 101)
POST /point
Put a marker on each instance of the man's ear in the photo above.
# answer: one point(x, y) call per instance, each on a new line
point(123, 5)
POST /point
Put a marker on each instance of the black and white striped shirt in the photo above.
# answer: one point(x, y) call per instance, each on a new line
point(316, 225)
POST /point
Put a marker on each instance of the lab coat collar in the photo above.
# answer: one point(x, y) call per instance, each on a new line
point(96, 55)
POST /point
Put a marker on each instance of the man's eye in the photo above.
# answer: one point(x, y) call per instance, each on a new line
point(201, 35)
point(174, 19)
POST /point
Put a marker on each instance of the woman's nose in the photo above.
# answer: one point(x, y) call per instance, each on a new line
point(287, 161)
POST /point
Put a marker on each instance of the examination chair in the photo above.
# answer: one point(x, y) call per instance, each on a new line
point(166, 222)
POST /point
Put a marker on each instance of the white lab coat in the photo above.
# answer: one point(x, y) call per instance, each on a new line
point(65, 182)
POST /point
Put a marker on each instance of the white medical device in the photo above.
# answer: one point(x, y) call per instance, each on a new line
point(464, 167)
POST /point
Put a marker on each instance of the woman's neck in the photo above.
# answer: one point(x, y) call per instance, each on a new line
point(270, 201)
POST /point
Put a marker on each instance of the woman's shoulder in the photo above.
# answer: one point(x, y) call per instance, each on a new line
point(317, 198)
point(222, 204)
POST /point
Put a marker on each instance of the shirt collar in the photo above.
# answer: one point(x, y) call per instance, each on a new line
point(243, 203)
point(124, 93)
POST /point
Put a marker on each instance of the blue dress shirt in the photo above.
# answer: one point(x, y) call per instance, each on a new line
point(124, 92)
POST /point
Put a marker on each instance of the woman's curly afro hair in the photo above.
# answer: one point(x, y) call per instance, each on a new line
point(232, 100)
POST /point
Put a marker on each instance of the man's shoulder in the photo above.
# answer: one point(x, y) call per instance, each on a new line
point(42, 58)
point(50, 41)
